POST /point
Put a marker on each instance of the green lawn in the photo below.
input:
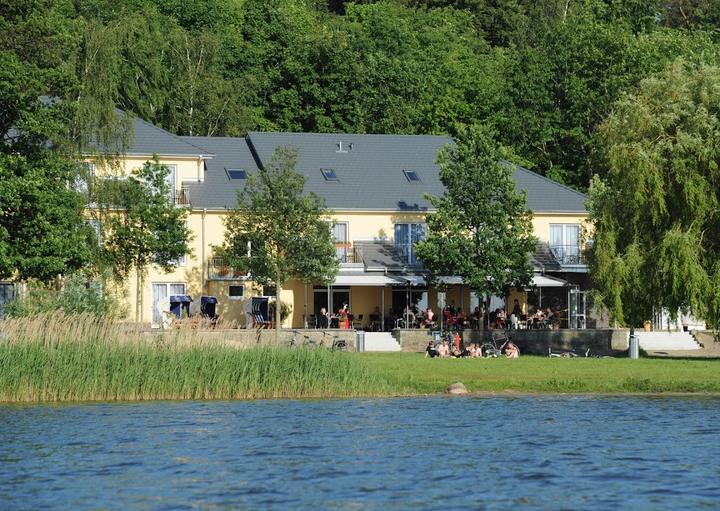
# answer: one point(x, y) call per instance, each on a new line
point(540, 374)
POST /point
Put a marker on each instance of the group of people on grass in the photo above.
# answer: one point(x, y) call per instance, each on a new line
point(456, 349)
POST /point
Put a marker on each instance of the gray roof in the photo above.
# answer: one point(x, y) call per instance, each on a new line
point(149, 139)
point(218, 191)
point(369, 169)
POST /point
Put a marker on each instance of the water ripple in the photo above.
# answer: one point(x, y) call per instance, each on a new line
point(548, 452)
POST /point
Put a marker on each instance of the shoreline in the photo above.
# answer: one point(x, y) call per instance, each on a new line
point(474, 394)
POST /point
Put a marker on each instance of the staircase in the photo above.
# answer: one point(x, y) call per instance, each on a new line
point(380, 341)
point(667, 341)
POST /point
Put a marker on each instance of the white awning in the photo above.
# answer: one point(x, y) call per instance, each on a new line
point(413, 280)
point(449, 280)
point(363, 280)
point(545, 281)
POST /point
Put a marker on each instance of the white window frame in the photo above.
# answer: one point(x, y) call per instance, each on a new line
point(564, 229)
point(241, 297)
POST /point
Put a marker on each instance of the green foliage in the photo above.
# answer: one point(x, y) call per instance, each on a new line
point(656, 214)
point(277, 232)
point(482, 229)
point(140, 221)
point(80, 293)
point(42, 230)
point(81, 358)
point(285, 310)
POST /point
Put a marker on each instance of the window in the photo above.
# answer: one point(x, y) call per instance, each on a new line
point(180, 261)
point(565, 243)
point(268, 291)
point(236, 173)
point(96, 226)
point(84, 177)
point(236, 292)
point(329, 174)
point(412, 176)
point(406, 235)
point(162, 290)
point(342, 245)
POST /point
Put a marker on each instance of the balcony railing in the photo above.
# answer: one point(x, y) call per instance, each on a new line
point(568, 254)
point(218, 269)
point(347, 254)
point(182, 198)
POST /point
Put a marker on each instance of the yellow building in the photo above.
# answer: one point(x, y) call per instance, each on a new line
point(375, 185)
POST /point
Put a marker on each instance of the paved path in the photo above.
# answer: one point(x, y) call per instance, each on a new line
point(710, 349)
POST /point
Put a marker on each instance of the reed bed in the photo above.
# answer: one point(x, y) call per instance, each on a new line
point(84, 358)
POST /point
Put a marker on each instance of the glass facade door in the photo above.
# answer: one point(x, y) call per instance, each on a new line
point(406, 235)
point(577, 311)
point(160, 291)
point(565, 243)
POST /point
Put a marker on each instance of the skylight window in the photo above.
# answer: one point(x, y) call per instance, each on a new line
point(236, 173)
point(412, 176)
point(329, 174)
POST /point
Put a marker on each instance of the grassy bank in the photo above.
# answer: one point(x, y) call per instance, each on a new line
point(58, 358)
point(82, 359)
point(542, 374)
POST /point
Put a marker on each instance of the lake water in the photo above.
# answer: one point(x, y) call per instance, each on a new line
point(555, 452)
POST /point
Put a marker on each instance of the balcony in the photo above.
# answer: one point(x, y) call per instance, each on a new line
point(182, 198)
point(347, 254)
point(568, 255)
point(218, 269)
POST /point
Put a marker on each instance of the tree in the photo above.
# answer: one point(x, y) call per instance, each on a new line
point(277, 232)
point(141, 224)
point(482, 228)
point(657, 213)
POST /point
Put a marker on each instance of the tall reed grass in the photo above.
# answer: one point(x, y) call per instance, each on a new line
point(84, 358)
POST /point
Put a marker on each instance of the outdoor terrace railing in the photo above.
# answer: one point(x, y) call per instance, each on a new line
point(568, 254)
point(218, 269)
point(182, 198)
point(348, 254)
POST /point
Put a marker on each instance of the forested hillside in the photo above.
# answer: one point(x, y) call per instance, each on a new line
point(544, 74)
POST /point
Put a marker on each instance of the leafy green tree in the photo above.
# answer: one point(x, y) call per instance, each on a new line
point(42, 230)
point(278, 232)
point(141, 224)
point(482, 229)
point(657, 212)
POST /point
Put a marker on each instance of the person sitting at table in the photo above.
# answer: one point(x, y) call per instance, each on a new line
point(475, 318)
point(449, 317)
point(462, 319)
point(323, 320)
point(375, 319)
point(344, 320)
point(408, 316)
point(500, 318)
point(428, 318)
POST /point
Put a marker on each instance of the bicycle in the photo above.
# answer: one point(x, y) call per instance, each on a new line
point(490, 348)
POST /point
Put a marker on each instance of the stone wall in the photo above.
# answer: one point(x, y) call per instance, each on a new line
point(242, 338)
point(603, 341)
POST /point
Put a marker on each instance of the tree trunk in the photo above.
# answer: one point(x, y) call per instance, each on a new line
point(138, 296)
point(140, 282)
point(278, 306)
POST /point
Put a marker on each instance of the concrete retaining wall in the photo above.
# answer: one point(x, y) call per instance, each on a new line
point(604, 341)
point(242, 338)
